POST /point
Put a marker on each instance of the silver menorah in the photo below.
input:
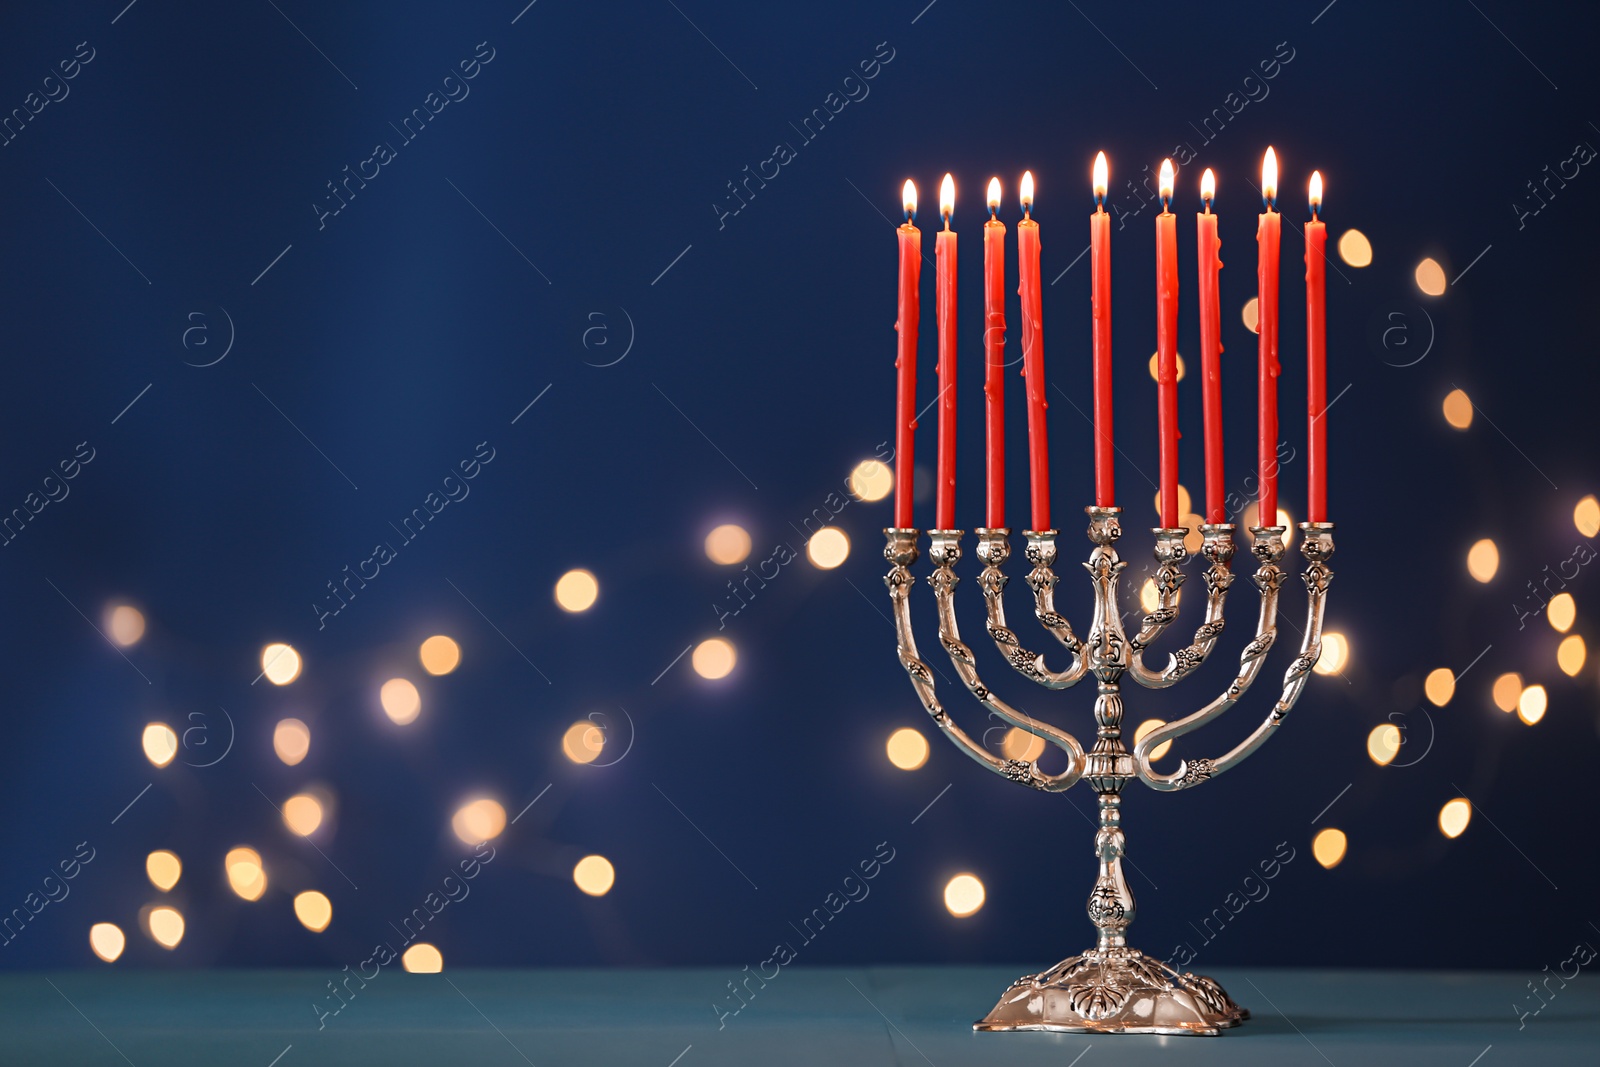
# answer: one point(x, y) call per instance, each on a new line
point(1110, 988)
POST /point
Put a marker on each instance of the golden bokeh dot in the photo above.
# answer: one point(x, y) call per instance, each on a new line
point(828, 548)
point(594, 875)
point(291, 740)
point(1185, 503)
point(1251, 315)
point(583, 742)
point(1454, 817)
point(1155, 366)
point(106, 940)
point(1483, 559)
point(728, 544)
point(1532, 703)
point(1562, 611)
point(1020, 744)
point(1335, 653)
point(439, 654)
point(1458, 409)
point(314, 910)
point(165, 925)
point(163, 868)
point(400, 700)
point(713, 658)
point(1252, 518)
point(1570, 655)
point(422, 958)
point(246, 876)
point(1144, 731)
point(963, 895)
point(280, 663)
point(577, 590)
point(124, 624)
point(1507, 691)
point(1355, 249)
point(1586, 516)
point(160, 743)
point(1383, 743)
point(1430, 277)
point(1440, 686)
point(1149, 596)
point(871, 480)
point(907, 748)
point(478, 821)
point(1194, 539)
point(1329, 847)
point(302, 814)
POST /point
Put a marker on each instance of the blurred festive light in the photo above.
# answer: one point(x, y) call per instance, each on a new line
point(907, 748)
point(1383, 743)
point(1251, 315)
point(1184, 502)
point(1355, 249)
point(478, 821)
point(1507, 691)
point(1329, 847)
point(1454, 817)
point(727, 544)
point(314, 910)
point(1458, 409)
point(1144, 729)
point(1155, 369)
point(594, 875)
point(124, 624)
point(1430, 277)
point(400, 700)
point(1562, 611)
point(1195, 538)
point(291, 740)
point(577, 590)
point(871, 480)
point(439, 655)
point(963, 895)
point(1020, 744)
point(1570, 655)
point(107, 941)
point(302, 814)
point(1586, 516)
point(422, 958)
point(1532, 703)
point(1483, 559)
point(165, 925)
point(246, 876)
point(1149, 596)
point(1440, 686)
point(713, 658)
point(583, 742)
point(1252, 517)
point(160, 743)
point(1335, 653)
point(280, 663)
point(828, 548)
point(164, 869)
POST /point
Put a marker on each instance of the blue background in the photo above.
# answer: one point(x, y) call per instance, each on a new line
point(458, 285)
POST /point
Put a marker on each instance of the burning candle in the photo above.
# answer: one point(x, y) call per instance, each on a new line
point(1105, 487)
point(1167, 347)
point(1211, 348)
point(944, 508)
point(994, 351)
point(1033, 355)
point(1316, 357)
point(905, 397)
point(1269, 232)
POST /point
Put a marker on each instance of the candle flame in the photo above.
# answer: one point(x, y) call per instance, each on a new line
point(1316, 191)
point(909, 197)
point(994, 195)
point(1208, 186)
point(1166, 182)
point(1102, 177)
point(947, 197)
point(1269, 177)
point(1027, 190)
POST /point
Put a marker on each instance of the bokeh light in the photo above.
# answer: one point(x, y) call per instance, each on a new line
point(1483, 559)
point(1430, 277)
point(280, 663)
point(1328, 847)
point(871, 480)
point(1570, 655)
point(1251, 315)
point(1454, 817)
point(594, 875)
point(828, 548)
point(422, 958)
point(1383, 743)
point(1155, 366)
point(1149, 596)
point(314, 910)
point(1144, 730)
point(583, 742)
point(728, 544)
point(1020, 744)
point(1562, 611)
point(291, 740)
point(124, 624)
point(439, 654)
point(107, 941)
point(1355, 249)
point(907, 748)
point(164, 868)
point(160, 743)
point(1532, 703)
point(713, 658)
point(1458, 409)
point(165, 926)
point(1440, 686)
point(1252, 517)
point(302, 814)
point(478, 821)
point(1586, 516)
point(577, 590)
point(246, 876)
point(963, 895)
point(1335, 653)
point(1184, 502)
point(400, 700)
point(1507, 691)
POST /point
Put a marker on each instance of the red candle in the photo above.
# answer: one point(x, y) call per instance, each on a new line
point(1269, 232)
point(994, 354)
point(1105, 479)
point(1316, 357)
point(1033, 355)
point(905, 397)
point(1211, 349)
point(944, 508)
point(1167, 347)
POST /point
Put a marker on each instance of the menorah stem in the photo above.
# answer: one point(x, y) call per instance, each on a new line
point(1111, 906)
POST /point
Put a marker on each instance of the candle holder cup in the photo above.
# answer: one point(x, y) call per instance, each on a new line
point(1110, 988)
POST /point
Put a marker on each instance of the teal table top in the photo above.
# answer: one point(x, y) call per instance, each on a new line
point(686, 1018)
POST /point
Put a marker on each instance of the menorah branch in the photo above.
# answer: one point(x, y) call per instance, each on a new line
point(994, 549)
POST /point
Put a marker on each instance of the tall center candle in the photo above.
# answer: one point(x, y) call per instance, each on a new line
point(905, 394)
point(1211, 349)
point(944, 508)
point(1167, 347)
point(1033, 356)
point(1269, 233)
point(1105, 478)
point(994, 355)
point(1316, 358)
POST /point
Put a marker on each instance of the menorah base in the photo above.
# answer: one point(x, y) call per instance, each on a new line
point(1114, 991)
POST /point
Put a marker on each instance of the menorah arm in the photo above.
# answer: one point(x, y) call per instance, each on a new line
point(1170, 555)
point(994, 548)
point(901, 552)
point(1316, 545)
